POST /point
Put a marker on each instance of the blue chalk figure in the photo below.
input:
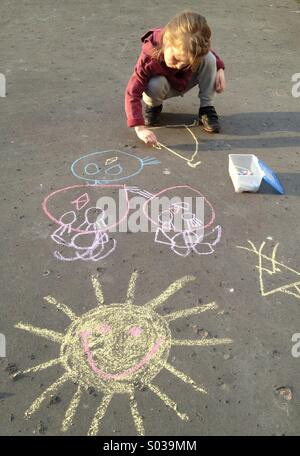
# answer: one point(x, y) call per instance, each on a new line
point(109, 166)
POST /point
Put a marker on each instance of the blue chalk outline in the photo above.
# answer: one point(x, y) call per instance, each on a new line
point(142, 161)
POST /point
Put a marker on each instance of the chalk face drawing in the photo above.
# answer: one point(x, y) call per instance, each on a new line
point(193, 238)
point(109, 166)
point(115, 349)
point(274, 276)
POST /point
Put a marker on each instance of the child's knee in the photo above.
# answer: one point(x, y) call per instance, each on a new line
point(158, 87)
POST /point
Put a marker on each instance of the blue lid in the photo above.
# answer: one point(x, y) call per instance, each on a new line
point(270, 177)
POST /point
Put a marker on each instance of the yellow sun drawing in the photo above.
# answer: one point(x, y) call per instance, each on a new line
point(115, 348)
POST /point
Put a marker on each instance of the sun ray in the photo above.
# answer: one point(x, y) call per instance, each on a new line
point(65, 309)
point(185, 378)
point(193, 311)
point(46, 333)
point(168, 402)
point(72, 409)
point(172, 289)
point(138, 420)
point(94, 428)
point(98, 290)
point(40, 367)
point(131, 288)
point(52, 389)
point(201, 342)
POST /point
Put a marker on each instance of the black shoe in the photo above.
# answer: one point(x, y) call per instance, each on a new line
point(152, 114)
point(208, 117)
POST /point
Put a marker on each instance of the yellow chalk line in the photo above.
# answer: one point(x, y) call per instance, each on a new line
point(52, 389)
point(193, 311)
point(40, 367)
point(138, 420)
point(168, 402)
point(285, 288)
point(131, 288)
point(201, 342)
point(188, 160)
point(65, 309)
point(70, 413)
point(46, 333)
point(94, 428)
point(173, 288)
point(185, 378)
point(98, 290)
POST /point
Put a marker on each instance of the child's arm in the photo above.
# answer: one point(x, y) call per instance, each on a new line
point(220, 83)
point(219, 61)
point(136, 86)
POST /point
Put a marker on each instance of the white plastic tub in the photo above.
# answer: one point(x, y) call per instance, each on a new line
point(245, 172)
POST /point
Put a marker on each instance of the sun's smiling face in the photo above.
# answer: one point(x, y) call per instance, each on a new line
point(115, 346)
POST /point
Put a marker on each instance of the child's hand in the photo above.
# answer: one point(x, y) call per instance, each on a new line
point(146, 135)
point(220, 83)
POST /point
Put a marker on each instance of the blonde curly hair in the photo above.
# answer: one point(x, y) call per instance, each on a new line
point(189, 33)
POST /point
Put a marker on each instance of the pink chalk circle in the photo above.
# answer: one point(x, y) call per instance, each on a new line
point(135, 331)
point(207, 204)
point(86, 189)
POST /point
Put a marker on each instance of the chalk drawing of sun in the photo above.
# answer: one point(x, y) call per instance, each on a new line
point(115, 349)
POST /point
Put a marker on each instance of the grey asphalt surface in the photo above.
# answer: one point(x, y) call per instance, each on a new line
point(67, 65)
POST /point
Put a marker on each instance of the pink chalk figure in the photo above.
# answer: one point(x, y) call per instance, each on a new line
point(191, 239)
point(92, 243)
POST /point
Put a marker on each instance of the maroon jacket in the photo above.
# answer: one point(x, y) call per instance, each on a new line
point(148, 67)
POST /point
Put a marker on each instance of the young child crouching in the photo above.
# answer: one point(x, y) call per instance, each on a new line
point(174, 59)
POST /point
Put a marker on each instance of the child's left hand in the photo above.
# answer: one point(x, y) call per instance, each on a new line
point(220, 83)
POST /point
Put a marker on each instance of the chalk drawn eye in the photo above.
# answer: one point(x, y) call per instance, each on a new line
point(135, 331)
point(110, 161)
point(92, 168)
point(104, 329)
point(114, 170)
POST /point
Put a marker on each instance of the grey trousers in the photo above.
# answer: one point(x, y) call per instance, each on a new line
point(159, 88)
